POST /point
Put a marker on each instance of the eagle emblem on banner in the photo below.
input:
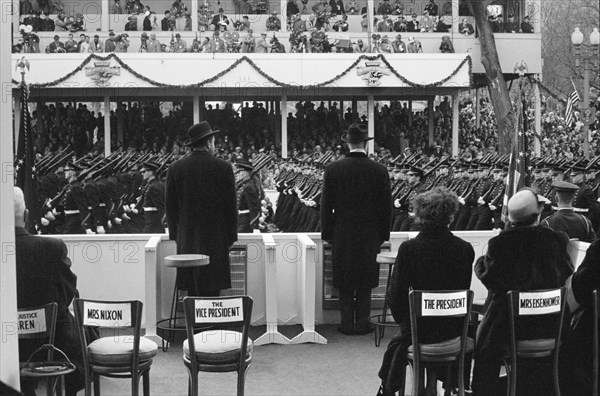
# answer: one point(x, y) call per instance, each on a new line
point(101, 72)
point(372, 72)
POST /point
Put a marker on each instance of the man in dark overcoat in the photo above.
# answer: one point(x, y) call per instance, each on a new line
point(356, 211)
point(44, 276)
point(201, 212)
point(524, 257)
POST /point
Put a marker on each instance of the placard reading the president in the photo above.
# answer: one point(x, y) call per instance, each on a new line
point(32, 322)
point(219, 311)
point(106, 315)
point(444, 304)
point(539, 303)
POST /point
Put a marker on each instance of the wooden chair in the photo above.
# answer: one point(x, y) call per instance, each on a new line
point(37, 330)
point(115, 356)
point(217, 349)
point(432, 303)
point(527, 304)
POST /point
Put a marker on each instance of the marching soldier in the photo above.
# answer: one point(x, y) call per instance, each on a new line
point(414, 176)
point(481, 215)
point(584, 199)
point(464, 192)
point(566, 219)
point(75, 204)
point(248, 197)
point(153, 200)
point(400, 189)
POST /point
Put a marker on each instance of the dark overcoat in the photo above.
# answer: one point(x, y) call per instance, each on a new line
point(521, 258)
point(576, 368)
point(44, 276)
point(434, 260)
point(202, 217)
point(356, 211)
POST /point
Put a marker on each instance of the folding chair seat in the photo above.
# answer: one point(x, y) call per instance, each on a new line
point(115, 356)
point(432, 303)
point(530, 304)
point(219, 349)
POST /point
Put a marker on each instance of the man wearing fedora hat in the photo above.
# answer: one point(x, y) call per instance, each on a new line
point(356, 213)
point(201, 212)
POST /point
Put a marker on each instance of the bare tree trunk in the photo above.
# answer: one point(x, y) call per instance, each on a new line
point(505, 116)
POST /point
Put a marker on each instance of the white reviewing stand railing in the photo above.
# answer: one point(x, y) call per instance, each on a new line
point(308, 292)
point(152, 279)
point(272, 336)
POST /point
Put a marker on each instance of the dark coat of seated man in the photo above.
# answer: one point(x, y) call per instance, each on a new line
point(576, 368)
point(44, 276)
point(523, 257)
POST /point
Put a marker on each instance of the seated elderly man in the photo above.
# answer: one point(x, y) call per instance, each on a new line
point(523, 257)
point(43, 276)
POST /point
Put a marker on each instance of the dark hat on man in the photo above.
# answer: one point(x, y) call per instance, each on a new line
point(111, 33)
point(563, 186)
point(178, 35)
point(416, 171)
point(244, 163)
point(72, 166)
point(198, 132)
point(151, 166)
point(356, 133)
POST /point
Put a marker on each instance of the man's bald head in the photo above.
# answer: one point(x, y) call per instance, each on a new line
point(20, 208)
point(523, 208)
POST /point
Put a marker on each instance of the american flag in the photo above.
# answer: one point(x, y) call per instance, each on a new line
point(571, 100)
point(26, 175)
point(519, 167)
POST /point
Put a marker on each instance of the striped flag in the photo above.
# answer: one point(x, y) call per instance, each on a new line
point(571, 100)
point(519, 168)
point(26, 175)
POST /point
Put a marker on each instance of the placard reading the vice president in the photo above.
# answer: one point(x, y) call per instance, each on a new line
point(32, 322)
point(539, 303)
point(444, 304)
point(219, 311)
point(106, 315)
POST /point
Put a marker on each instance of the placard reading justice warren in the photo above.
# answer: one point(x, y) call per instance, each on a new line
point(218, 311)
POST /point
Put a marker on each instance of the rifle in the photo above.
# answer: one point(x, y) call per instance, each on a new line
point(494, 202)
point(470, 190)
point(50, 204)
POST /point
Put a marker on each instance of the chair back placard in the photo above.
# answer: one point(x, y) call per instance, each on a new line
point(107, 314)
point(444, 304)
point(32, 322)
point(219, 310)
point(540, 303)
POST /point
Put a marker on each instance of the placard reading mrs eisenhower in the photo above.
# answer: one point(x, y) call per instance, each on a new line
point(539, 303)
point(444, 304)
point(219, 311)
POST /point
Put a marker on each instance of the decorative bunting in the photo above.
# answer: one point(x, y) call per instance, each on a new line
point(244, 58)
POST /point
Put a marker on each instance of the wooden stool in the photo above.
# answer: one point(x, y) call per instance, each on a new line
point(380, 321)
point(177, 261)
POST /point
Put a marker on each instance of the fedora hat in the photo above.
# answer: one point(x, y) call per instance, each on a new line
point(198, 132)
point(356, 133)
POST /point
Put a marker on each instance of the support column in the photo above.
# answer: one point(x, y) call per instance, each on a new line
point(477, 115)
point(455, 16)
point(194, 11)
point(17, 119)
point(120, 121)
point(196, 109)
point(12, 6)
point(202, 110)
point(278, 122)
point(107, 141)
point(284, 126)
point(537, 141)
point(371, 124)
point(455, 124)
point(105, 15)
point(370, 16)
point(431, 121)
point(410, 112)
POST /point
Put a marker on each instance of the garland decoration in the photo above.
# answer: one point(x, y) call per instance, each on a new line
point(95, 57)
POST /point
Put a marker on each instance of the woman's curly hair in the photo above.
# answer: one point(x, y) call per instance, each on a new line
point(435, 207)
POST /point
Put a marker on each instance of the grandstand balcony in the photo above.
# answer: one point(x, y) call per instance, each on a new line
point(99, 17)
